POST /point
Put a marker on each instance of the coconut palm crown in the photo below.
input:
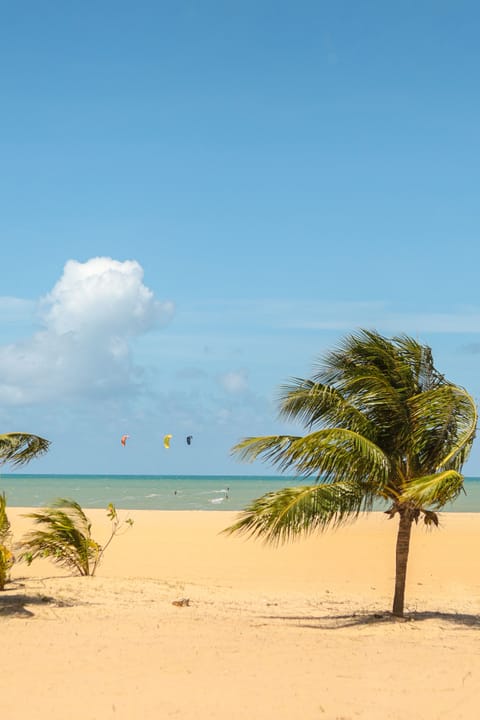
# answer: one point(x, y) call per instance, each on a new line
point(382, 424)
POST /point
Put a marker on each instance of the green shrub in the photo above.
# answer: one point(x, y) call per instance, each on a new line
point(6, 556)
point(66, 537)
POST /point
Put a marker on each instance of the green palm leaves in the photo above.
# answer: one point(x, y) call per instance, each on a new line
point(19, 448)
point(65, 537)
point(281, 515)
point(331, 453)
point(6, 556)
point(383, 423)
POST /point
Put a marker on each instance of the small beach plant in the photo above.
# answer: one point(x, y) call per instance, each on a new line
point(6, 556)
point(66, 536)
point(382, 425)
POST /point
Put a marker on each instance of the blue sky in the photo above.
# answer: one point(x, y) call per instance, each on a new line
point(199, 199)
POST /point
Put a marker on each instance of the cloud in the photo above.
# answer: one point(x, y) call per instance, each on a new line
point(83, 347)
point(103, 296)
point(396, 322)
point(274, 315)
point(235, 381)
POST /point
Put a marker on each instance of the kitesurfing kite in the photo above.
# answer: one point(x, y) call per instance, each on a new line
point(189, 439)
point(124, 439)
point(166, 441)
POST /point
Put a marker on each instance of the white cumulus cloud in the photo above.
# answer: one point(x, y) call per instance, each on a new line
point(103, 296)
point(87, 322)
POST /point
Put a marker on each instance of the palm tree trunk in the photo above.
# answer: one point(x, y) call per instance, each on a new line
point(403, 545)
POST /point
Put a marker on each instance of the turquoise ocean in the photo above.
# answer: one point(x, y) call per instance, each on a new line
point(168, 492)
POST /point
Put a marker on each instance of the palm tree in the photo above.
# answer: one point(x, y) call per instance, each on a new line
point(18, 448)
point(382, 424)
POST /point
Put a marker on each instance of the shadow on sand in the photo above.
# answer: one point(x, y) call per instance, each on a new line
point(334, 622)
point(13, 602)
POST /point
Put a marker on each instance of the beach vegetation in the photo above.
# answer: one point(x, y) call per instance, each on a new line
point(383, 428)
point(18, 448)
point(6, 555)
point(65, 536)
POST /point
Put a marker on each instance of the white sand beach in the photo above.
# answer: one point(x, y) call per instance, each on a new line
point(299, 631)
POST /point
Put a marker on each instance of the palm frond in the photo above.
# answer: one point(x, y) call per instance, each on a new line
point(269, 447)
point(466, 419)
point(316, 404)
point(417, 361)
point(281, 515)
point(332, 454)
point(433, 491)
point(18, 448)
point(66, 537)
point(365, 348)
point(443, 426)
